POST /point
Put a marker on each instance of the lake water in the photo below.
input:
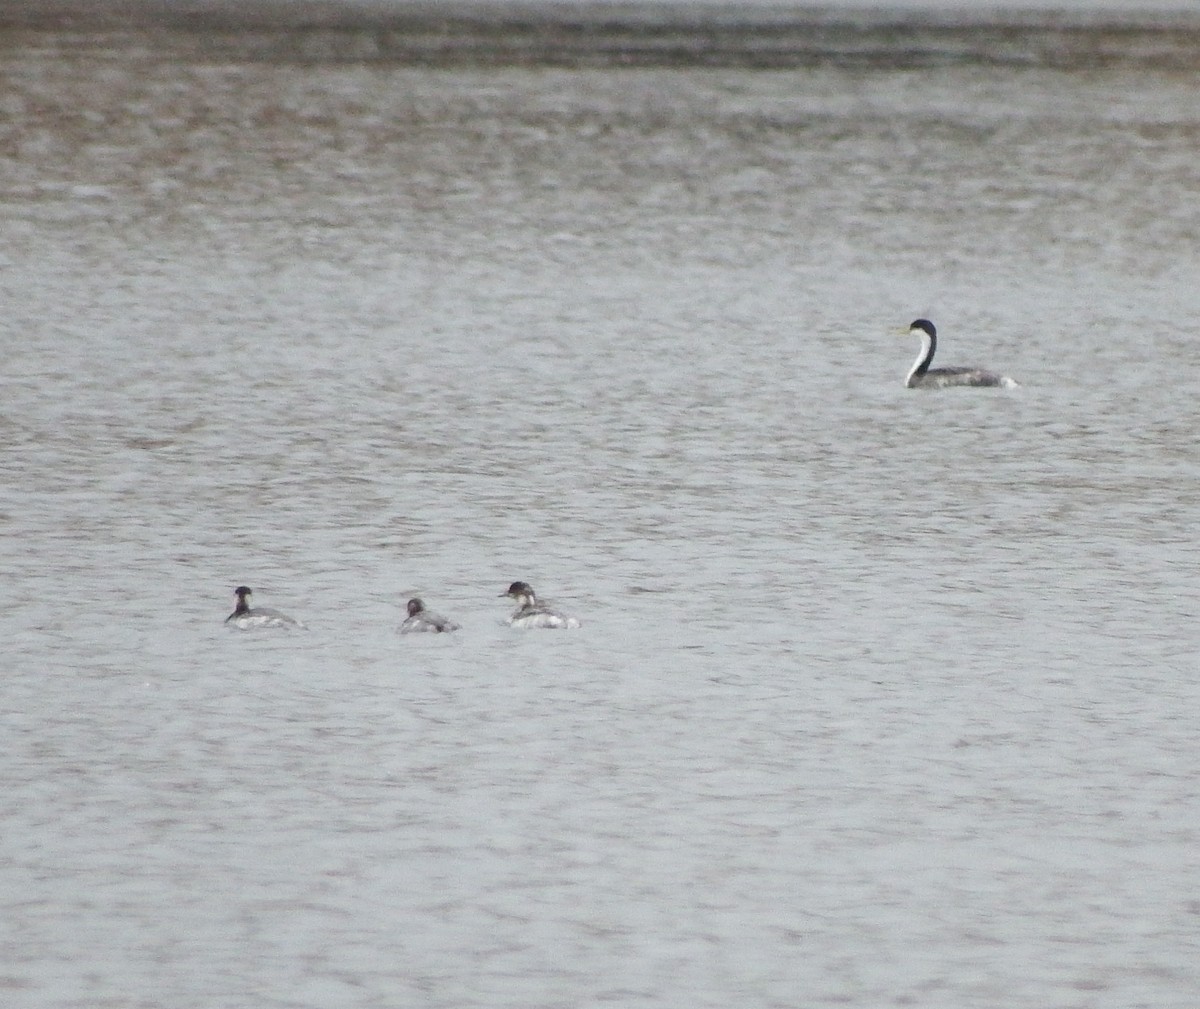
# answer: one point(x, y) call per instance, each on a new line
point(882, 697)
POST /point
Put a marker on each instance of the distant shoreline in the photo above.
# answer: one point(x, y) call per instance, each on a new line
point(590, 33)
point(764, 14)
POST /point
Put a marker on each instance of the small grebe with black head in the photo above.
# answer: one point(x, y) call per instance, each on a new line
point(921, 376)
point(421, 620)
point(530, 613)
point(260, 616)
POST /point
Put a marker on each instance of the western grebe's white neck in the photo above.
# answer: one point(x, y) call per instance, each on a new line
point(925, 355)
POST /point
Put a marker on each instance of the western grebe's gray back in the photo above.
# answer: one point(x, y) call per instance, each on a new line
point(423, 620)
point(531, 613)
point(921, 376)
point(245, 617)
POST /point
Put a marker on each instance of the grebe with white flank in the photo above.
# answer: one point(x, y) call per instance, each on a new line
point(921, 376)
point(262, 616)
point(423, 620)
point(531, 613)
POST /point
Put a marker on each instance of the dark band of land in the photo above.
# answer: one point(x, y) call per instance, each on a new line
point(607, 34)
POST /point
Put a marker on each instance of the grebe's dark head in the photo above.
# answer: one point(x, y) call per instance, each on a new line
point(415, 606)
point(243, 607)
point(923, 326)
point(519, 590)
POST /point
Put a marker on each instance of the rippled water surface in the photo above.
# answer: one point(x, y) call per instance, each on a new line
point(882, 698)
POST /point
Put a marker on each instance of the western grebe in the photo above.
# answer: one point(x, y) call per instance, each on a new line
point(421, 619)
point(262, 616)
point(921, 376)
point(531, 613)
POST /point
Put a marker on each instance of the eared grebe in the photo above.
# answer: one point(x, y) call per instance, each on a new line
point(921, 376)
point(421, 619)
point(245, 617)
point(531, 613)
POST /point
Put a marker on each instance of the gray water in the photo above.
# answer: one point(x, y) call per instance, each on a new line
point(882, 697)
